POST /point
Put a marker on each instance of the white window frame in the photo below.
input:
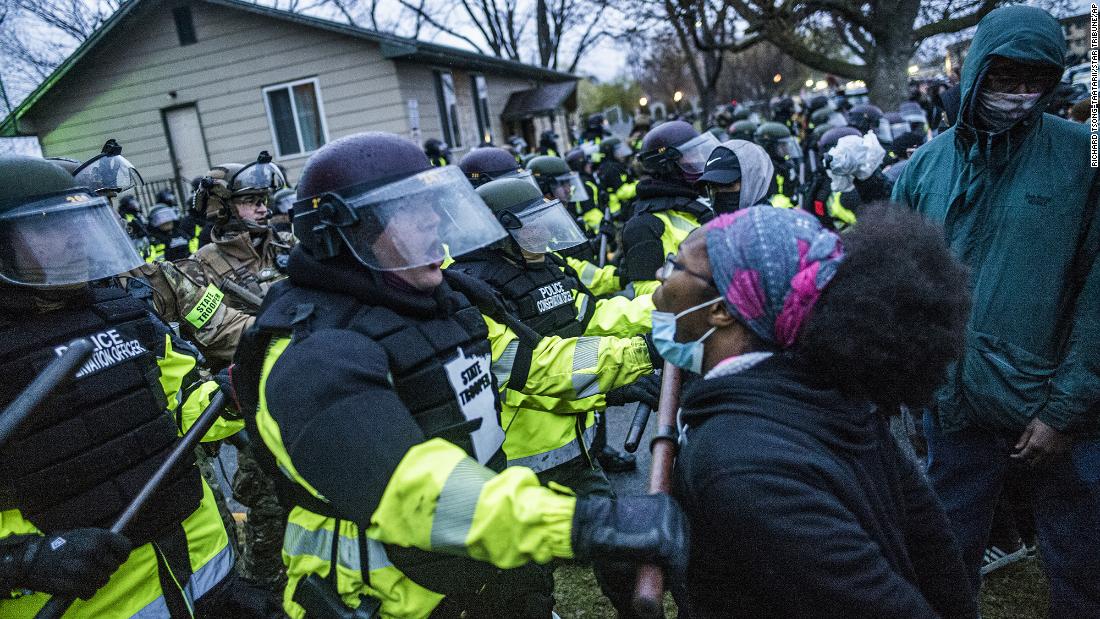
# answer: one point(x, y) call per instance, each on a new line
point(452, 132)
point(294, 111)
point(481, 108)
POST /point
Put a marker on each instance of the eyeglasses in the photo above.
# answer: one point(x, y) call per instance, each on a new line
point(671, 265)
point(250, 200)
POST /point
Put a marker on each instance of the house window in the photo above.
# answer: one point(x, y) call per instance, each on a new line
point(185, 25)
point(297, 117)
point(448, 108)
point(481, 107)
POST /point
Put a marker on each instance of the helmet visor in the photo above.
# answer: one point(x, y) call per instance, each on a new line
point(108, 174)
point(257, 178)
point(788, 148)
point(419, 220)
point(521, 174)
point(544, 227)
point(570, 188)
point(695, 152)
point(65, 239)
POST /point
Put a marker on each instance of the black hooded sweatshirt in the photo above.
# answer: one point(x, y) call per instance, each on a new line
point(801, 505)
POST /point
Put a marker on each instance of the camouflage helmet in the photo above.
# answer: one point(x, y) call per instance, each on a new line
point(743, 130)
point(108, 173)
point(229, 180)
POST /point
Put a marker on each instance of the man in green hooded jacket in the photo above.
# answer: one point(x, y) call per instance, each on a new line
point(1017, 196)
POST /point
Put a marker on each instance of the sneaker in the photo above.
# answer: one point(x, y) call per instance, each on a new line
point(995, 558)
point(614, 461)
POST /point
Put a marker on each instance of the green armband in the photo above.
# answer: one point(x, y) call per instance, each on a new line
point(205, 308)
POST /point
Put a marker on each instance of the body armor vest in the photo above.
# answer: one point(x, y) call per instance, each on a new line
point(693, 206)
point(417, 350)
point(542, 295)
point(88, 450)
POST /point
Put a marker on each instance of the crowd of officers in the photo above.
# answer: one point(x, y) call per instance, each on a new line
point(419, 352)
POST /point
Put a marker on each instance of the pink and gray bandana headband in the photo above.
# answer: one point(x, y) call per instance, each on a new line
point(771, 264)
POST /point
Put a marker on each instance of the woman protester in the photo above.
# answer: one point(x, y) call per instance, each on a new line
point(800, 502)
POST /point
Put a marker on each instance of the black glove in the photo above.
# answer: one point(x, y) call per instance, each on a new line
point(638, 529)
point(655, 358)
point(70, 563)
point(224, 379)
point(646, 390)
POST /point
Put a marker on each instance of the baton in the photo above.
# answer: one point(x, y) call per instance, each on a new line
point(601, 261)
point(637, 427)
point(57, 373)
point(649, 588)
point(57, 605)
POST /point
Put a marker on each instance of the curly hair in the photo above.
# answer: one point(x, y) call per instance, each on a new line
point(893, 317)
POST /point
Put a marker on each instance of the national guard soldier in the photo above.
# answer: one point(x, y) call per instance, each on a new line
point(370, 382)
point(77, 463)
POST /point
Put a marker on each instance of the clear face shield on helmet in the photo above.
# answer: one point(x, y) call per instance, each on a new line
point(258, 177)
point(412, 222)
point(64, 239)
point(108, 173)
point(542, 227)
point(917, 123)
point(788, 149)
point(570, 188)
point(521, 174)
point(694, 154)
point(882, 130)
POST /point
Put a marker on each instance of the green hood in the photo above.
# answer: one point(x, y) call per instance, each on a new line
point(1022, 33)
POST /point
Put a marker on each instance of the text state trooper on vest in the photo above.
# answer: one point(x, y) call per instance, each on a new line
point(77, 463)
point(667, 207)
point(553, 436)
point(372, 389)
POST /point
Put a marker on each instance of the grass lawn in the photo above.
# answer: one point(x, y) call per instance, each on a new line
point(1015, 592)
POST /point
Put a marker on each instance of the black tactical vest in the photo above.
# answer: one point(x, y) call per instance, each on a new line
point(417, 349)
point(83, 457)
point(657, 204)
point(542, 295)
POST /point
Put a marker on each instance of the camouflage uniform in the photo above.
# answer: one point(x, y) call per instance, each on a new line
point(244, 259)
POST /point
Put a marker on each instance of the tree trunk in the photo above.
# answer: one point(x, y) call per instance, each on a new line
point(543, 25)
point(888, 85)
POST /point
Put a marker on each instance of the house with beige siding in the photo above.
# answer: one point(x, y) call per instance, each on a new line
point(183, 85)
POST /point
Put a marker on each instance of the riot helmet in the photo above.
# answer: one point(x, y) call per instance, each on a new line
point(166, 196)
point(55, 233)
point(555, 178)
point(777, 140)
point(128, 206)
point(676, 151)
point(489, 163)
point(108, 173)
point(616, 149)
point(743, 130)
point(163, 214)
point(537, 225)
point(832, 136)
point(866, 117)
point(437, 149)
point(377, 197)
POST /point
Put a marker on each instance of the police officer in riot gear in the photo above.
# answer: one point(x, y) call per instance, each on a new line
point(438, 152)
point(667, 207)
point(833, 209)
point(72, 468)
point(368, 379)
point(548, 143)
point(786, 156)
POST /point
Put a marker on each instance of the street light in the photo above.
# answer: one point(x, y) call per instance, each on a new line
point(810, 83)
point(643, 102)
point(777, 78)
point(677, 96)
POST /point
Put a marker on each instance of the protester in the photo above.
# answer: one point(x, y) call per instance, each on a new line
point(1020, 211)
point(800, 503)
point(737, 175)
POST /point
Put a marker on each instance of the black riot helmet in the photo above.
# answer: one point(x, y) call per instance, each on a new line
point(832, 136)
point(490, 163)
point(55, 233)
point(594, 122)
point(616, 149)
point(865, 117)
point(675, 151)
point(377, 197)
point(818, 102)
point(166, 196)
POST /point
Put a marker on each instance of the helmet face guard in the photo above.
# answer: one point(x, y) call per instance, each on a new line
point(64, 239)
point(788, 148)
point(570, 188)
point(412, 222)
point(260, 176)
point(694, 154)
point(542, 226)
point(108, 173)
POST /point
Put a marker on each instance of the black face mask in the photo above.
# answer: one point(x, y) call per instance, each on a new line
point(725, 201)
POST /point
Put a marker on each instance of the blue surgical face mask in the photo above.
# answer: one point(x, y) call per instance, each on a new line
point(684, 355)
